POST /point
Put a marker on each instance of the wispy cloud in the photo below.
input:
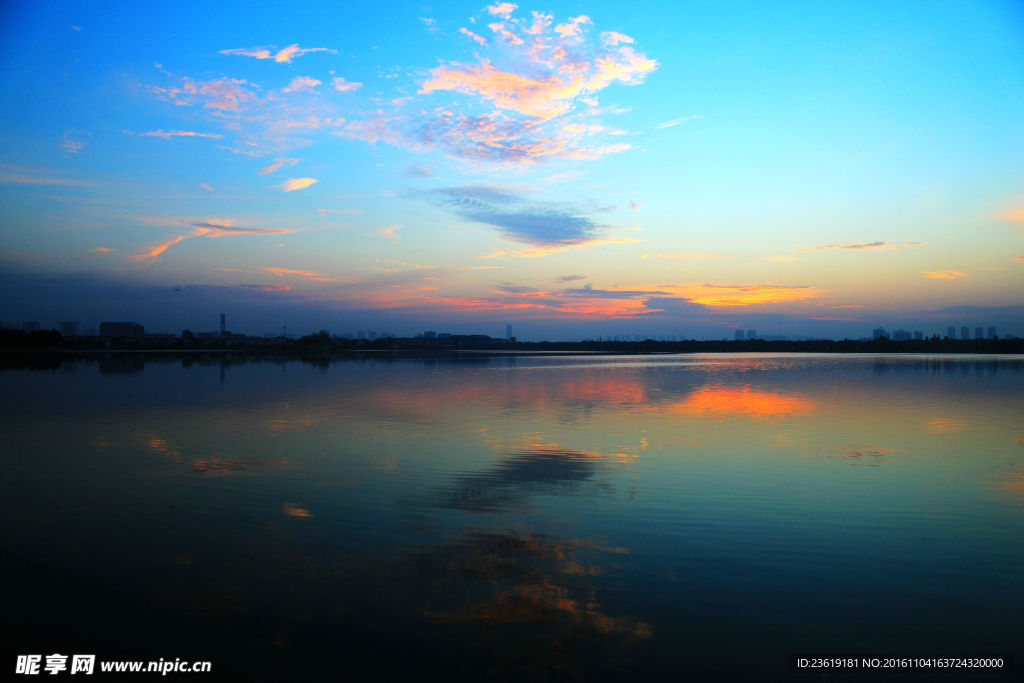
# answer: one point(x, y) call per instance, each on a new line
point(676, 122)
point(683, 255)
point(212, 227)
point(417, 171)
point(293, 184)
point(309, 274)
point(570, 278)
point(23, 176)
point(73, 141)
point(341, 211)
point(284, 55)
point(167, 134)
point(388, 232)
point(103, 250)
point(854, 246)
point(206, 187)
point(531, 94)
point(1018, 258)
point(943, 274)
point(279, 163)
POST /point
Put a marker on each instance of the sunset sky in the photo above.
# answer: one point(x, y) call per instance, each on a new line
point(573, 169)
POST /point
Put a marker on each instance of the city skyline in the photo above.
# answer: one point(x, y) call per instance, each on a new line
point(570, 170)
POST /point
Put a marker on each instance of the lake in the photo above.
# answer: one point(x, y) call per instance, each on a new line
point(487, 517)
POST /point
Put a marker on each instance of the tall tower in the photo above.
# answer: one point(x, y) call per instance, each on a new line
point(222, 325)
point(508, 331)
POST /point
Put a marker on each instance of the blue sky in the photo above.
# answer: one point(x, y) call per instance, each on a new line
point(573, 169)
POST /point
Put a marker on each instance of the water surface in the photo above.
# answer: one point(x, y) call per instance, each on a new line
point(570, 518)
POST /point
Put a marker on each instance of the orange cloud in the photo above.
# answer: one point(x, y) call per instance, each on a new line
point(744, 295)
point(1018, 258)
point(103, 249)
point(1013, 216)
point(523, 90)
point(293, 184)
point(943, 274)
point(388, 232)
point(213, 227)
point(301, 273)
point(293, 510)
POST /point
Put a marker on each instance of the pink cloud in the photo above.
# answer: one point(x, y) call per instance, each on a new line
point(103, 250)
point(530, 95)
point(388, 232)
point(222, 94)
point(167, 134)
point(502, 9)
point(855, 246)
point(473, 36)
point(285, 55)
point(341, 85)
point(302, 83)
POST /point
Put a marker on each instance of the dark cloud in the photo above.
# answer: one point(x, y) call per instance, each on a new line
point(521, 220)
point(589, 292)
point(570, 278)
point(417, 171)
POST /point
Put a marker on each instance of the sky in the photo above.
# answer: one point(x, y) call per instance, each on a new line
point(571, 169)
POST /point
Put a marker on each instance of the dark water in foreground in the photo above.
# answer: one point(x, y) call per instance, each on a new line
point(561, 518)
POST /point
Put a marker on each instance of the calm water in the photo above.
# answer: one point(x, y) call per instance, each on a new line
point(493, 518)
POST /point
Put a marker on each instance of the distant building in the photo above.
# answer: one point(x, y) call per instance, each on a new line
point(991, 333)
point(222, 324)
point(918, 335)
point(740, 335)
point(979, 332)
point(68, 328)
point(965, 332)
point(125, 330)
point(430, 334)
point(508, 331)
point(900, 335)
point(29, 325)
point(751, 334)
point(951, 332)
point(878, 333)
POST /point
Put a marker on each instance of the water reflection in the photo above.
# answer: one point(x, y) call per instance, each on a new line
point(537, 469)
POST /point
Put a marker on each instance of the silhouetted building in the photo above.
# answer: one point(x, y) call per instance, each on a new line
point(879, 332)
point(29, 325)
point(991, 333)
point(951, 332)
point(751, 334)
point(68, 328)
point(900, 335)
point(508, 331)
point(979, 332)
point(222, 324)
point(123, 330)
point(965, 332)
point(740, 336)
point(918, 335)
